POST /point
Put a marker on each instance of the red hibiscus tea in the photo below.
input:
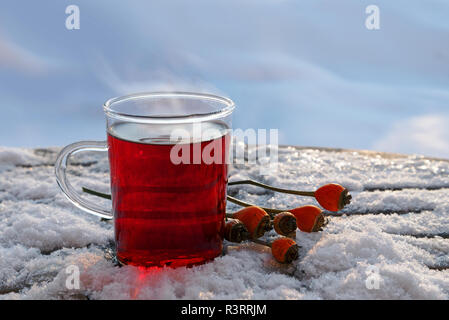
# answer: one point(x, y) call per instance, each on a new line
point(168, 162)
point(166, 211)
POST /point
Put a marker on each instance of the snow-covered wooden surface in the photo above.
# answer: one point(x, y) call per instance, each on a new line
point(396, 228)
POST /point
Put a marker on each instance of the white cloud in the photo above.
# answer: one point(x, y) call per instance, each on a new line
point(426, 134)
point(15, 57)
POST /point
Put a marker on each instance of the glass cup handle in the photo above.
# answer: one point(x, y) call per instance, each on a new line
point(64, 184)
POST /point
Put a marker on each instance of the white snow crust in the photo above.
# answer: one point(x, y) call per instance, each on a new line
point(41, 234)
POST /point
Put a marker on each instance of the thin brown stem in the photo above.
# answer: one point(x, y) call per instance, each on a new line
point(271, 211)
point(265, 186)
point(96, 193)
point(264, 243)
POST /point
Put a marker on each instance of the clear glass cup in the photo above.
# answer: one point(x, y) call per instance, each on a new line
point(168, 156)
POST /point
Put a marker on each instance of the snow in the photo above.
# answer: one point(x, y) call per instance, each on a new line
point(41, 234)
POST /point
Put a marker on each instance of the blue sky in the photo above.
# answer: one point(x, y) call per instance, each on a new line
point(309, 68)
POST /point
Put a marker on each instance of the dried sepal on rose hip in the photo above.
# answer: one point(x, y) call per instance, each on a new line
point(333, 197)
point(235, 231)
point(309, 218)
point(284, 223)
point(255, 219)
point(284, 250)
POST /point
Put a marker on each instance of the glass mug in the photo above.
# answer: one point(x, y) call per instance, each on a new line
point(168, 204)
